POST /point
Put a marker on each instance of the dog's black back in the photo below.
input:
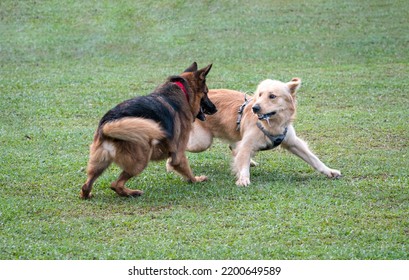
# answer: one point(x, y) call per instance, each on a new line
point(152, 127)
point(149, 107)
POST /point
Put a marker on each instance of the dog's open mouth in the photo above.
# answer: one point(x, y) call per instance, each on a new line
point(201, 116)
point(203, 112)
point(206, 108)
point(266, 116)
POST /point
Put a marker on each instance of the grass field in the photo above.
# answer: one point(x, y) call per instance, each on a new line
point(64, 64)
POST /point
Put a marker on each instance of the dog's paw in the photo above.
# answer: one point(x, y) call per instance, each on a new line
point(169, 168)
point(333, 173)
point(243, 181)
point(253, 163)
point(200, 178)
point(83, 195)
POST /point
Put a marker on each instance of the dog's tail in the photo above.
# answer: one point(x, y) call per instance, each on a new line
point(134, 130)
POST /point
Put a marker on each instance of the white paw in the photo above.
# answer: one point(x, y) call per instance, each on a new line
point(243, 181)
point(333, 173)
point(201, 178)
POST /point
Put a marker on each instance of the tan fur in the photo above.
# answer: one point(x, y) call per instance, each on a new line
point(131, 142)
point(270, 96)
point(134, 130)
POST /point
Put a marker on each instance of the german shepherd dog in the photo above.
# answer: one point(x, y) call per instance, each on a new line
point(262, 122)
point(152, 127)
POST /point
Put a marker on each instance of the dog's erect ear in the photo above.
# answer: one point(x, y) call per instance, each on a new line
point(294, 85)
point(204, 71)
point(192, 68)
point(174, 79)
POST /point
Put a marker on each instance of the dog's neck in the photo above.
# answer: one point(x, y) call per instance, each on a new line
point(182, 87)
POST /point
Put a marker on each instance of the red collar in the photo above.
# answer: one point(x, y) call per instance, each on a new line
point(182, 87)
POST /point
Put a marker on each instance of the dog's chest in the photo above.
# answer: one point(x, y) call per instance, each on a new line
point(272, 141)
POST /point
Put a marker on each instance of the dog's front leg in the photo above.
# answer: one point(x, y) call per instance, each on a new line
point(232, 148)
point(241, 164)
point(180, 164)
point(298, 147)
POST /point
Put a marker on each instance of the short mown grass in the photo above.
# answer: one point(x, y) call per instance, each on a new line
point(64, 64)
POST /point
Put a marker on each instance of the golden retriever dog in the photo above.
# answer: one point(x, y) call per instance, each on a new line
point(261, 122)
point(151, 127)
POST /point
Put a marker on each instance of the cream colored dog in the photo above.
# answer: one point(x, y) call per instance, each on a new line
point(262, 122)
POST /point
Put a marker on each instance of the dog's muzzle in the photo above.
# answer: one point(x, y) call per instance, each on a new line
point(256, 110)
point(265, 116)
point(206, 108)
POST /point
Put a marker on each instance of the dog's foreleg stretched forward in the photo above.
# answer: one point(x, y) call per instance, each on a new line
point(298, 147)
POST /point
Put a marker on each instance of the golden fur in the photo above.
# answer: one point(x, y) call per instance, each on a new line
point(275, 103)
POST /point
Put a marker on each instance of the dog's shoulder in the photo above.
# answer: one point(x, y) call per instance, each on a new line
point(168, 94)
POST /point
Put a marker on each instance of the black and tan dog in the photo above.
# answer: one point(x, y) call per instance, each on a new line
point(264, 121)
point(152, 127)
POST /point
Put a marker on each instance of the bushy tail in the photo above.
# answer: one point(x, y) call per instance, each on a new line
point(133, 130)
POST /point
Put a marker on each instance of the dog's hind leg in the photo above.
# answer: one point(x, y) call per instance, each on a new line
point(92, 176)
point(99, 160)
point(119, 186)
point(133, 159)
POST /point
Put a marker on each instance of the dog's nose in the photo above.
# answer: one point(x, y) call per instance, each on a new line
point(256, 108)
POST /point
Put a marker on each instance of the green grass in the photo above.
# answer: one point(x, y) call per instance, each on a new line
point(63, 65)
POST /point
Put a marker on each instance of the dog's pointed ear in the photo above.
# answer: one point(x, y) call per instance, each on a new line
point(174, 79)
point(192, 68)
point(204, 71)
point(294, 85)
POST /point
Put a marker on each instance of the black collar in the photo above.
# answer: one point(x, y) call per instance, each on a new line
point(275, 139)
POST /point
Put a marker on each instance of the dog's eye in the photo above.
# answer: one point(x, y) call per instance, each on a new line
point(272, 96)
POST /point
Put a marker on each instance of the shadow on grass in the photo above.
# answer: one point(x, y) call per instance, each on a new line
point(166, 189)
